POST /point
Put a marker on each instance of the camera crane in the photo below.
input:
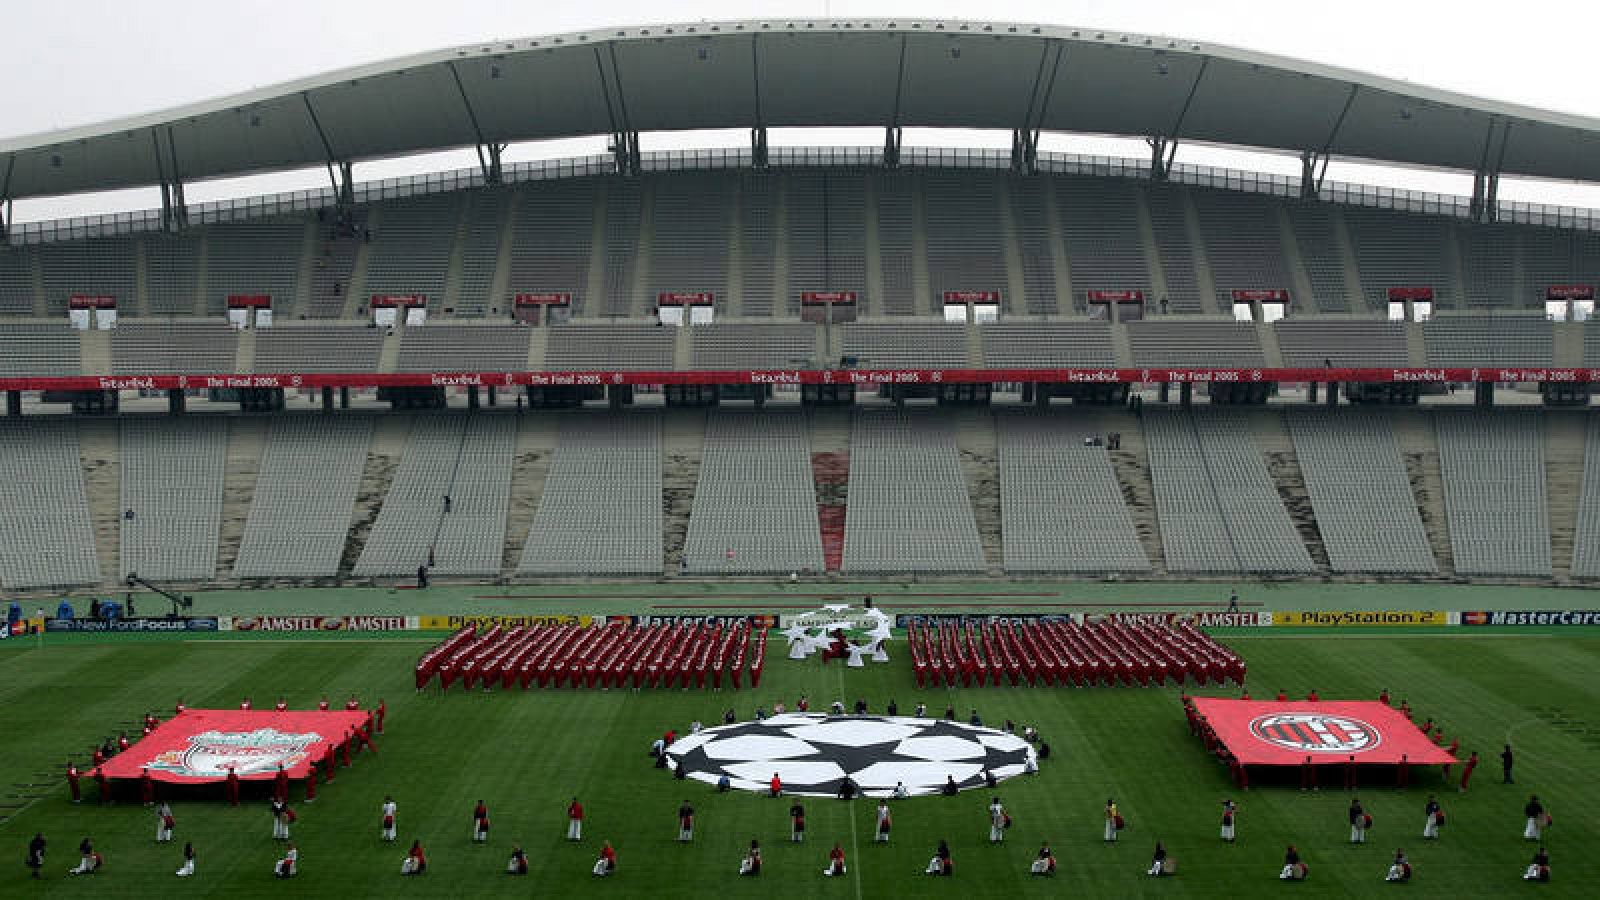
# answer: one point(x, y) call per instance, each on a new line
point(180, 602)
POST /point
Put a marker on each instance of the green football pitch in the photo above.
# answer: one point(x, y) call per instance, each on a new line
point(527, 753)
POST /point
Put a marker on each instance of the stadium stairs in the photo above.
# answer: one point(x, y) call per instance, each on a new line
point(1563, 468)
point(1420, 445)
point(830, 469)
point(978, 444)
point(99, 444)
point(1272, 436)
point(247, 440)
point(389, 436)
point(536, 442)
point(683, 435)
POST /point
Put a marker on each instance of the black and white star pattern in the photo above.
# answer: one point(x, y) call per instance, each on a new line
point(813, 753)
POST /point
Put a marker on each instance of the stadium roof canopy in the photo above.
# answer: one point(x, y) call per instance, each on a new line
point(819, 72)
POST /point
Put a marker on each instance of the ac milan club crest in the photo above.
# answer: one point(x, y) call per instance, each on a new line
point(1316, 733)
point(211, 754)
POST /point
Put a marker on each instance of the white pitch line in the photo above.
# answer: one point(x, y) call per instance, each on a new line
point(855, 845)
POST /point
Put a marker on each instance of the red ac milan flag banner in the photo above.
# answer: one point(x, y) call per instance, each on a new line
point(249, 301)
point(1116, 296)
point(1268, 733)
point(696, 298)
point(1411, 293)
point(397, 300)
point(199, 745)
point(972, 296)
point(1569, 292)
point(543, 299)
point(84, 301)
point(824, 298)
point(1265, 295)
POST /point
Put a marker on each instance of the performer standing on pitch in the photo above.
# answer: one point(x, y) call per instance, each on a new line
point(1359, 821)
point(1229, 811)
point(1466, 770)
point(1435, 816)
point(575, 821)
point(164, 823)
point(797, 822)
point(881, 836)
point(388, 818)
point(685, 822)
point(187, 868)
point(1111, 819)
point(997, 821)
point(1533, 810)
point(480, 823)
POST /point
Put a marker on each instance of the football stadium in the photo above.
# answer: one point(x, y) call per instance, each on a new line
point(869, 521)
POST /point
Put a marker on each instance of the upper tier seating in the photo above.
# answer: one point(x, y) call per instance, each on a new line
point(621, 346)
point(1189, 342)
point(755, 346)
point(904, 345)
point(1346, 343)
point(1017, 345)
point(306, 347)
point(464, 348)
point(39, 350)
point(174, 347)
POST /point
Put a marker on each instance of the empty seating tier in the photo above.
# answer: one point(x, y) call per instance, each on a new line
point(601, 509)
point(1361, 493)
point(464, 348)
point(172, 472)
point(587, 347)
point(909, 510)
point(1061, 506)
point(304, 497)
point(1494, 491)
point(1344, 343)
point(299, 347)
point(1509, 341)
point(752, 346)
point(912, 345)
point(39, 350)
point(1046, 345)
point(411, 245)
point(44, 509)
point(174, 347)
point(1586, 541)
point(755, 507)
point(1167, 342)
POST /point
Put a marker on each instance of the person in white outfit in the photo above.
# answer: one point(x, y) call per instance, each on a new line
point(900, 792)
point(751, 864)
point(1539, 868)
point(881, 834)
point(1430, 826)
point(280, 820)
point(187, 868)
point(997, 821)
point(164, 823)
point(1158, 862)
point(1230, 814)
point(1400, 869)
point(388, 818)
point(1111, 819)
point(1533, 810)
point(290, 864)
point(1358, 823)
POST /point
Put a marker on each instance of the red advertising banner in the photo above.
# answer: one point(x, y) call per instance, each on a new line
point(199, 745)
point(1116, 296)
point(1267, 733)
point(84, 301)
point(398, 300)
point(1569, 292)
point(249, 301)
point(824, 298)
point(1411, 293)
point(676, 298)
point(544, 300)
point(1263, 295)
point(952, 297)
point(794, 376)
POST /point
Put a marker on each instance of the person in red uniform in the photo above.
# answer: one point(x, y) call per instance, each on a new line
point(1282, 697)
point(103, 784)
point(233, 787)
point(148, 728)
point(123, 743)
point(1454, 746)
point(328, 764)
point(150, 723)
point(1466, 771)
point(147, 788)
point(72, 782)
point(1405, 708)
point(352, 704)
point(244, 705)
point(382, 709)
point(1308, 777)
point(1384, 697)
point(480, 816)
point(416, 861)
point(178, 709)
point(99, 758)
point(323, 703)
point(349, 738)
point(835, 862)
point(1350, 773)
point(311, 784)
point(282, 705)
point(607, 863)
point(1312, 697)
point(775, 787)
point(280, 784)
point(575, 820)
point(1402, 773)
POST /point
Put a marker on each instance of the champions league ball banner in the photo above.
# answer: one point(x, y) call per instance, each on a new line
point(199, 745)
point(1268, 733)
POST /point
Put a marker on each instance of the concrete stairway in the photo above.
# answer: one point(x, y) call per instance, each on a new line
point(389, 435)
point(247, 440)
point(536, 444)
point(1563, 478)
point(1419, 444)
point(1271, 435)
point(1132, 466)
point(979, 446)
point(100, 446)
point(683, 439)
point(830, 470)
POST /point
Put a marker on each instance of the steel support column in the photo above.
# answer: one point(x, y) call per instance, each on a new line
point(488, 151)
point(1025, 151)
point(758, 148)
point(1485, 193)
point(1313, 168)
point(1162, 151)
point(891, 131)
point(891, 147)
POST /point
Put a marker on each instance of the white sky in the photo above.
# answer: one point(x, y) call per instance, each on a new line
point(84, 61)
